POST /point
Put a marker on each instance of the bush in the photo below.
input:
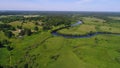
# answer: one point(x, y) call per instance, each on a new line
point(36, 28)
point(9, 34)
point(28, 32)
point(9, 48)
point(1, 45)
point(25, 32)
point(26, 65)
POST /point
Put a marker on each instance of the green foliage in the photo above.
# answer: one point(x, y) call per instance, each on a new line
point(36, 28)
point(22, 32)
point(19, 27)
point(28, 32)
point(9, 34)
point(10, 48)
point(5, 42)
point(25, 32)
point(26, 66)
point(47, 26)
point(55, 21)
point(1, 44)
point(5, 27)
point(42, 50)
point(11, 19)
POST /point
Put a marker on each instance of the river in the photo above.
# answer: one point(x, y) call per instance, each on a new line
point(55, 33)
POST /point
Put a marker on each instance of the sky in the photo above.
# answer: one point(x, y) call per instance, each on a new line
point(61, 5)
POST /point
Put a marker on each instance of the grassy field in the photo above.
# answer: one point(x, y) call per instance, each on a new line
point(29, 25)
point(93, 20)
point(43, 50)
point(91, 25)
point(56, 52)
point(79, 30)
point(2, 36)
point(115, 18)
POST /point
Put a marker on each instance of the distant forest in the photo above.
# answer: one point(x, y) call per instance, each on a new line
point(85, 13)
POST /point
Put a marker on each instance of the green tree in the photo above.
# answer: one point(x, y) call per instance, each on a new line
point(9, 34)
point(36, 28)
point(1, 45)
point(5, 42)
point(28, 32)
point(10, 48)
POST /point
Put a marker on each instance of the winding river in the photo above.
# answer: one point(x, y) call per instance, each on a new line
point(55, 33)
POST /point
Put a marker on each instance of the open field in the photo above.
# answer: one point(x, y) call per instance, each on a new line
point(79, 30)
point(90, 25)
point(32, 45)
point(115, 18)
point(34, 51)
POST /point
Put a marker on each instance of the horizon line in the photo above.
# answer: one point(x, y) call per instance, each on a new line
point(60, 10)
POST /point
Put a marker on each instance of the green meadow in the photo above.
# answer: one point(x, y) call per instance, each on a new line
point(90, 24)
point(43, 50)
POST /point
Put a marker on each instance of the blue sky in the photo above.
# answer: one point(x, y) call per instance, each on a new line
point(61, 5)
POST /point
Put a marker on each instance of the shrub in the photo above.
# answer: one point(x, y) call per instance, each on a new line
point(9, 34)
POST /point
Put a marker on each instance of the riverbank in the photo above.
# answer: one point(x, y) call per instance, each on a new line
point(88, 34)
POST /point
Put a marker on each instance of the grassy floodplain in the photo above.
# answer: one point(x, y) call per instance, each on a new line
point(90, 24)
point(43, 50)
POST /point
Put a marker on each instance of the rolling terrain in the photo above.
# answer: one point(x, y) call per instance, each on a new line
point(26, 41)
